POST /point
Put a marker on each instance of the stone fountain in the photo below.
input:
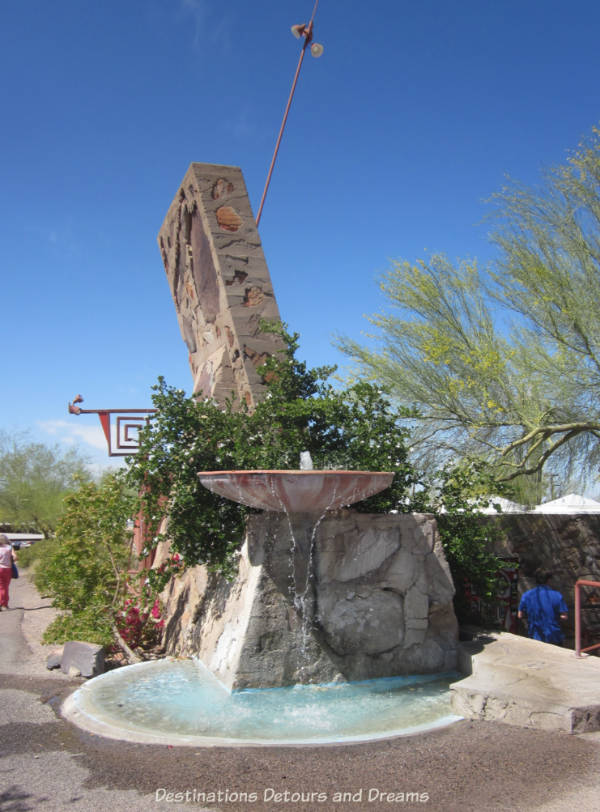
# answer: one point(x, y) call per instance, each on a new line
point(323, 592)
point(323, 595)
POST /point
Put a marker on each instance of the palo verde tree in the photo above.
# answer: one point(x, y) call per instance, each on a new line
point(34, 480)
point(503, 364)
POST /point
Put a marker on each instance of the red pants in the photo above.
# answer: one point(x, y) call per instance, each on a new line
point(5, 576)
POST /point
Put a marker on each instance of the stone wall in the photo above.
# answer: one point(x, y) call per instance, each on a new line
point(219, 281)
point(568, 545)
point(379, 603)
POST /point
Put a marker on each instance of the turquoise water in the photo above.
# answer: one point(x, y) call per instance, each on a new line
point(181, 699)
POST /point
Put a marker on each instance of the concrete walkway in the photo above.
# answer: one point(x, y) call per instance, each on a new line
point(45, 763)
point(531, 684)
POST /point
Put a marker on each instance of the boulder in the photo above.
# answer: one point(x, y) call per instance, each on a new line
point(87, 658)
point(54, 660)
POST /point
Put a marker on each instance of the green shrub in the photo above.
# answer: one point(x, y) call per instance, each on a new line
point(353, 428)
point(91, 624)
point(84, 568)
point(467, 541)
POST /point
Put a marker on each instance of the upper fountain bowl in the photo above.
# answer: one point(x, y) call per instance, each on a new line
point(296, 491)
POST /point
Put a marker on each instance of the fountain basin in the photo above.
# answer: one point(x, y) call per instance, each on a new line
point(312, 492)
point(179, 702)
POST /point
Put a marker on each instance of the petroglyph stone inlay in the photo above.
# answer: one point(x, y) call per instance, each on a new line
point(228, 218)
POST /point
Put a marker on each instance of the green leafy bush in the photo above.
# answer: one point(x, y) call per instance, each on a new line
point(468, 541)
point(354, 428)
point(84, 570)
point(91, 623)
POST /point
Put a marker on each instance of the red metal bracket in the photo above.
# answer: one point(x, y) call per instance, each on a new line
point(127, 425)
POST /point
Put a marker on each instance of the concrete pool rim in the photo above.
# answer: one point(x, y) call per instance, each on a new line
point(73, 710)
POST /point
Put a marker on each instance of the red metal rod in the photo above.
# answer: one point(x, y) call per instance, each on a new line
point(77, 410)
point(578, 650)
point(285, 115)
point(577, 620)
point(307, 38)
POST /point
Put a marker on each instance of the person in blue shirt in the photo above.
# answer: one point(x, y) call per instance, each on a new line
point(544, 608)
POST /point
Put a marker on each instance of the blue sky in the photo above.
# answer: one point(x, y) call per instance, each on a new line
point(398, 133)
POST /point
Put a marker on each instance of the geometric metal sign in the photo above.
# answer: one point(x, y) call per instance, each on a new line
point(122, 425)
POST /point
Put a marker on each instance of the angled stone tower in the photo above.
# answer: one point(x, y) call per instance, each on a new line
point(219, 281)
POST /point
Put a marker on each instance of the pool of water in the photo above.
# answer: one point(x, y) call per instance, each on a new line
point(180, 702)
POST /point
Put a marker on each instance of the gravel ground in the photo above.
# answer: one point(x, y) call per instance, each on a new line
point(46, 763)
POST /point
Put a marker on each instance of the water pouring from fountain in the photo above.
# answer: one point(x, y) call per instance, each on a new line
point(305, 496)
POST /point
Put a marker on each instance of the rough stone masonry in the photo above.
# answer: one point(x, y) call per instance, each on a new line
point(381, 605)
point(219, 281)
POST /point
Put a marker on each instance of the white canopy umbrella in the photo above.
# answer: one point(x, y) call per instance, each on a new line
point(506, 506)
point(571, 503)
